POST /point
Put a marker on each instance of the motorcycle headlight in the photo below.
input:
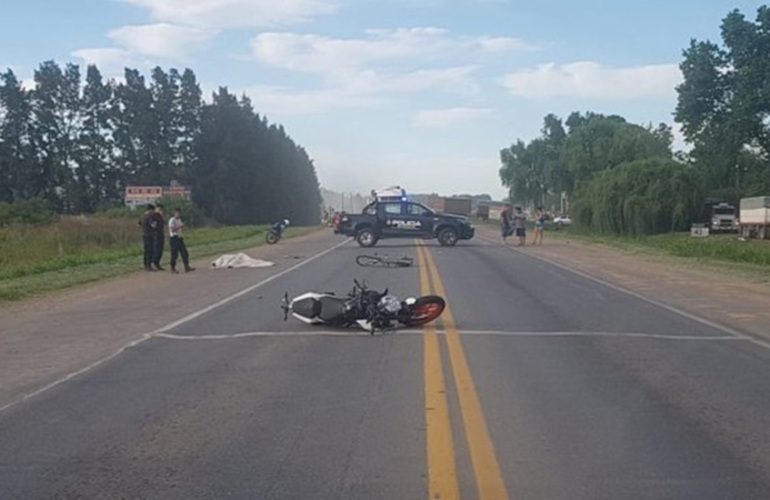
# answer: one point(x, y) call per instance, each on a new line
point(390, 304)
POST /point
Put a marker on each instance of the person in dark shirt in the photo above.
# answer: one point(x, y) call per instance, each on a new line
point(148, 239)
point(158, 236)
point(519, 225)
point(506, 219)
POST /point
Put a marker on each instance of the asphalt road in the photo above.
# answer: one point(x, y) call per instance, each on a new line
point(536, 383)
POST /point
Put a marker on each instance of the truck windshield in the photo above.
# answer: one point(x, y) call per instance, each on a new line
point(724, 211)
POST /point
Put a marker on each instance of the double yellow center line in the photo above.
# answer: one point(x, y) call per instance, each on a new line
point(442, 464)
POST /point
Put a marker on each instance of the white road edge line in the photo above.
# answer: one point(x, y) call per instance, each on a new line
point(675, 310)
point(74, 374)
point(354, 333)
point(147, 336)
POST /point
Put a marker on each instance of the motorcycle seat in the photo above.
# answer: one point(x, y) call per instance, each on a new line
point(309, 308)
point(331, 308)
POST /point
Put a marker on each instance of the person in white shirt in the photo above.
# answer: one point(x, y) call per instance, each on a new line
point(178, 247)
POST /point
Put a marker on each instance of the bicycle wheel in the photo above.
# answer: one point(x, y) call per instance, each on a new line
point(368, 260)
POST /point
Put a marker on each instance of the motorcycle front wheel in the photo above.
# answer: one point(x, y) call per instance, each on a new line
point(424, 310)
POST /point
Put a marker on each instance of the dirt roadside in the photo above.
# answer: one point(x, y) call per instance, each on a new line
point(43, 339)
point(736, 300)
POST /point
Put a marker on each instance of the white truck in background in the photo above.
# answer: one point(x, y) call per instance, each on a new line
point(723, 218)
point(754, 217)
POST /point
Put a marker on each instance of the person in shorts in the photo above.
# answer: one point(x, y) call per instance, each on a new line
point(539, 226)
point(506, 228)
point(520, 226)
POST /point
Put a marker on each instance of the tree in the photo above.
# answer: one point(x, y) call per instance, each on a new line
point(557, 176)
point(724, 101)
point(596, 143)
point(642, 197)
point(16, 151)
point(79, 148)
point(55, 129)
point(250, 171)
point(164, 89)
point(96, 179)
point(134, 131)
point(560, 159)
point(188, 125)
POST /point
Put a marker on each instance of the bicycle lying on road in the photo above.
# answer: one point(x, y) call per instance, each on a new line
point(383, 261)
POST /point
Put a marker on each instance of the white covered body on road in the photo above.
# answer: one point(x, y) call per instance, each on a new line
point(229, 261)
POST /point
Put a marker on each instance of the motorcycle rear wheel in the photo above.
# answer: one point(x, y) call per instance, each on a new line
point(424, 310)
point(272, 237)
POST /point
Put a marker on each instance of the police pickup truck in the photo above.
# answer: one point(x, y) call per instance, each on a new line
point(403, 219)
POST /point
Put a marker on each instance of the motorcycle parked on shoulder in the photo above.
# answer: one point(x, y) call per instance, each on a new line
point(369, 309)
point(274, 234)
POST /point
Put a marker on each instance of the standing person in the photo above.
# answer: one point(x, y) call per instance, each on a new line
point(519, 224)
point(539, 225)
point(147, 235)
point(176, 240)
point(505, 223)
point(159, 236)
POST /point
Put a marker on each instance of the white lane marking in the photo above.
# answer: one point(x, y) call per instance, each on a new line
point(149, 335)
point(675, 310)
point(354, 333)
point(304, 333)
point(74, 374)
point(243, 292)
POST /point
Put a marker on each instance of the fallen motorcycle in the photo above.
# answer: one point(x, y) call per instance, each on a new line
point(369, 309)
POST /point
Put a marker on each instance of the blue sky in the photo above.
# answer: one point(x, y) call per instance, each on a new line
point(421, 93)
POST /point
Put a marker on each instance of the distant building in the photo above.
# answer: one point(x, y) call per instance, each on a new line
point(138, 196)
point(490, 210)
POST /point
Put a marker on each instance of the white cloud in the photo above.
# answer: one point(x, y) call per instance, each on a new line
point(503, 44)
point(365, 90)
point(456, 79)
point(591, 80)
point(110, 61)
point(383, 61)
point(283, 101)
point(321, 54)
point(235, 13)
point(679, 143)
point(430, 118)
point(161, 40)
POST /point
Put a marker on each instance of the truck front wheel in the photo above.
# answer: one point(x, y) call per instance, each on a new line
point(366, 237)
